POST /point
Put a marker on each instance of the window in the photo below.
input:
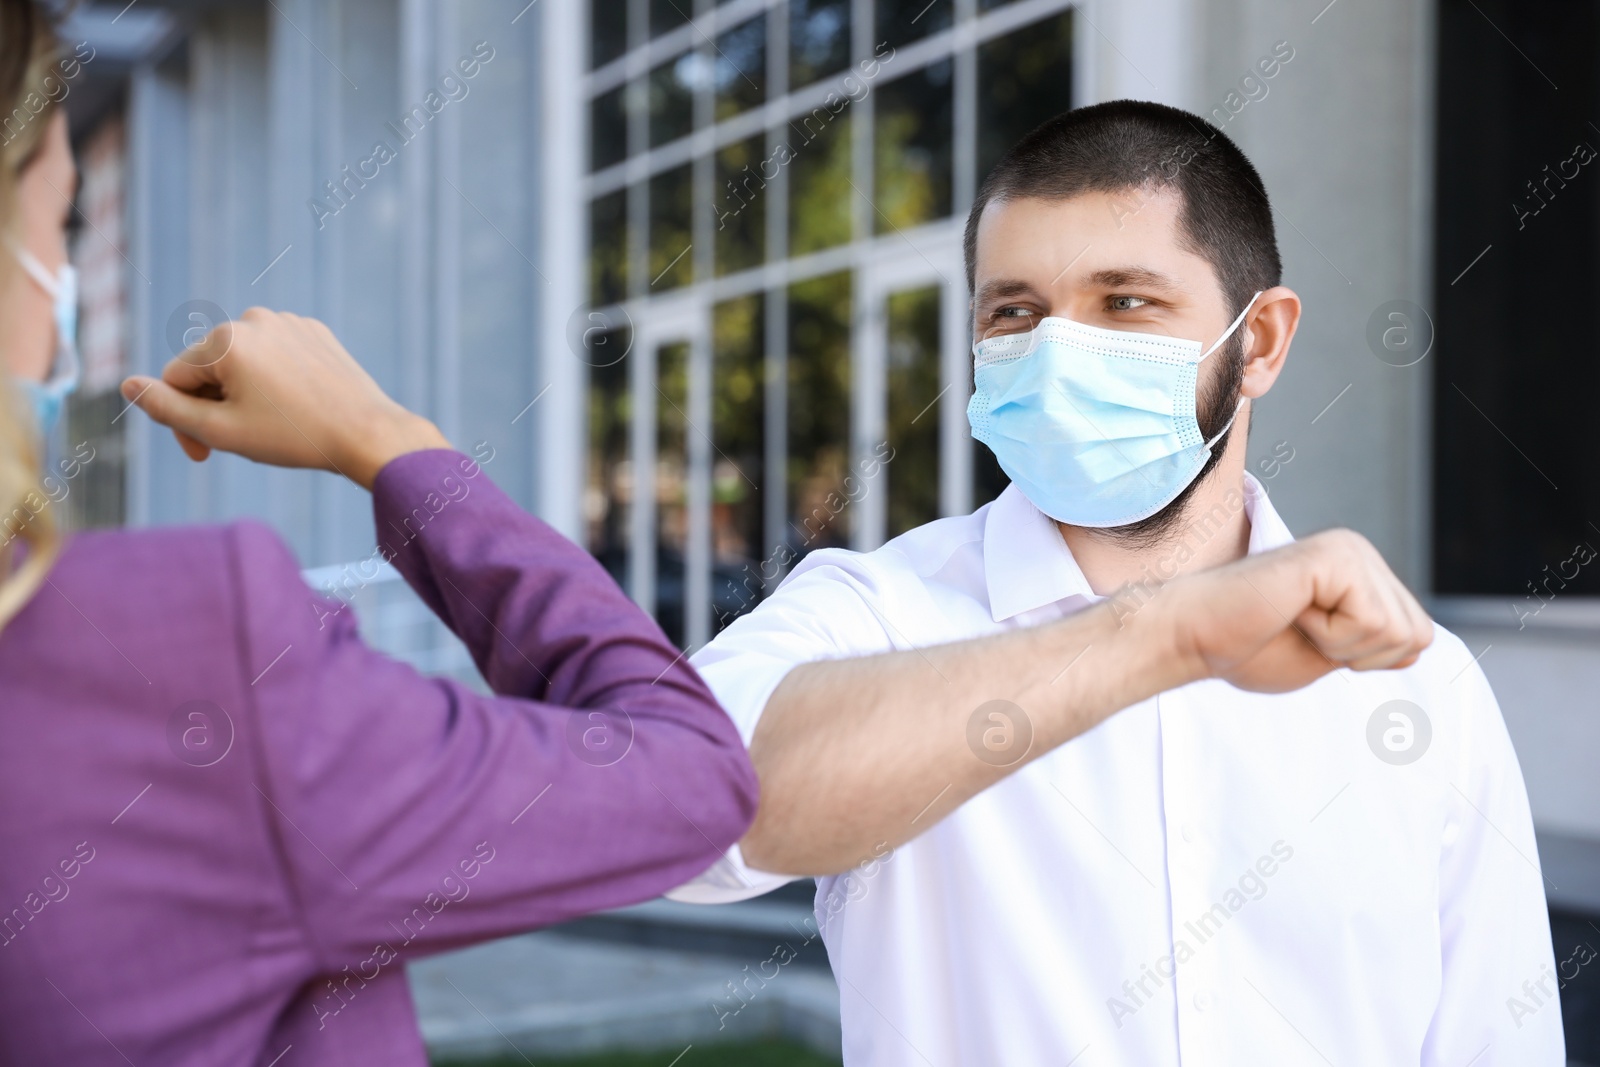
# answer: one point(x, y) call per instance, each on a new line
point(1516, 492)
point(913, 180)
point(913, 437)
point(780, 218)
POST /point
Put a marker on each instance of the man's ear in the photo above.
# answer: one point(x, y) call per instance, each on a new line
point(1268, 330)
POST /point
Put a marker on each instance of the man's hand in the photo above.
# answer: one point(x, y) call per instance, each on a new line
point(280, 389)
point(1280, 620)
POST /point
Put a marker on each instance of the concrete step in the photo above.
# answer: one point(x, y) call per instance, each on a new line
point(749, 930)
point(552, 993)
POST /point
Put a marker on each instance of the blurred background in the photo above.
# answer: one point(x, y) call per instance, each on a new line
point(683, 269)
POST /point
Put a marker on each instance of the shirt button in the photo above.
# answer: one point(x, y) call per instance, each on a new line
point(1202, 1001)
point(1188, 833)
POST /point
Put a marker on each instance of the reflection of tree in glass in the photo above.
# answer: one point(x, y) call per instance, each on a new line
point(1024, 78)
point(666, 14)
point(739, 207)
point(913, 474)
point(608, 130)
point(672, 477)
point(819, 411)
point(912, 135)
point(819, 39)
point(899, 22)
point(610, 477)
point(738, 431)
point(671, 98)
point(608, 248)
point(739, 71)
point(671, 193)
point(608, 34)
point(819, 183)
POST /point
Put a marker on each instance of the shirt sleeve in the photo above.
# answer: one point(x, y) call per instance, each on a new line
point(1498, 999)
point(414, 814)
point(822, 611)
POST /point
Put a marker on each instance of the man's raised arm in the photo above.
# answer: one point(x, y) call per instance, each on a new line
point(851, 751)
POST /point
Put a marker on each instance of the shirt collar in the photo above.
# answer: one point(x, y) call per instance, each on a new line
point(1027, 563)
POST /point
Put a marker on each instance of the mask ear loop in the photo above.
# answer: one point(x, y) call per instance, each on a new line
point(1225, 335)
point(36, 270)
point(1232, 326)
point(66, 367)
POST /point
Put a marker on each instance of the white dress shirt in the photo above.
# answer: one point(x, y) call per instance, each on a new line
point(1212, 878)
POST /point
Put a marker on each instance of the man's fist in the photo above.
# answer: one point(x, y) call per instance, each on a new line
point(1282, 619)
point(280, 389)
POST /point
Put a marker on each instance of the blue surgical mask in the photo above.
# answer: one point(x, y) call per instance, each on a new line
point(1096, 427)
point(49, 397)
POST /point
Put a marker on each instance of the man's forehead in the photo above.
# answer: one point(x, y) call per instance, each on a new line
point(1133, 233)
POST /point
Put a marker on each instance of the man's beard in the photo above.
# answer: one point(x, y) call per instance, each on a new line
point(1213, 411)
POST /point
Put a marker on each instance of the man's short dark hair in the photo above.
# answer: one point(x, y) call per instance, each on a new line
point(1133, 145)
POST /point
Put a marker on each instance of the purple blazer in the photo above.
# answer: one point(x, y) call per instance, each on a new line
point(225, 822)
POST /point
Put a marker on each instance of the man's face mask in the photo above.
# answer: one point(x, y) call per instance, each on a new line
point(49, 397)
point(1096, 427)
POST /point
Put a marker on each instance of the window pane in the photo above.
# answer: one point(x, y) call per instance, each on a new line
point(740, 207)
point(671, 193)
point(738, 436)
point(672, 486)
point(671, 96)
point(1517, 211)
point(913, 374)
point(739, 70)
point(819, 39)
point(819, 181)
point(608, 31)
point(608, 129)
point(667, 15)
point(913, 134)
point(610, 484)
point(1024, 78)
point(608, 248)
point(819, 412)
point(901, 21)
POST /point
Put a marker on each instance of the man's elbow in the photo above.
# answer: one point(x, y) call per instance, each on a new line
point(730, 805)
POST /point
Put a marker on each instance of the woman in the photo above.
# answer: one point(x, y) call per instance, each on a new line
point(227, 823)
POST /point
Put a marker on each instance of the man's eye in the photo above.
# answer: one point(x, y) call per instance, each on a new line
point(1127, 303)
point(1012, 312)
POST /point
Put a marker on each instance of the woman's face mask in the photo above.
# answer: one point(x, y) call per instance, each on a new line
point(49, 397)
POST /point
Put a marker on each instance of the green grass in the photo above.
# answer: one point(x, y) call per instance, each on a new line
point(766, 1054)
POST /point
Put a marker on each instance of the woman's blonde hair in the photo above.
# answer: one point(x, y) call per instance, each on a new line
point(27, 53)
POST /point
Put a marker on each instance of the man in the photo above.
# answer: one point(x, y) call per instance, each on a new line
point(1228, 870)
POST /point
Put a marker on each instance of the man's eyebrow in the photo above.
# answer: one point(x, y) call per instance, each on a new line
point(1002, 288)
point(1140, 277)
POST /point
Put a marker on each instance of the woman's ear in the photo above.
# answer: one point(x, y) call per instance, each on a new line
point(1267, 333)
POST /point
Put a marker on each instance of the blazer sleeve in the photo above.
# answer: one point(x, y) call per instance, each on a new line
point(415, 814)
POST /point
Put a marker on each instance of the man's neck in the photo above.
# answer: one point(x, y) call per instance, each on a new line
point(1213, 529)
